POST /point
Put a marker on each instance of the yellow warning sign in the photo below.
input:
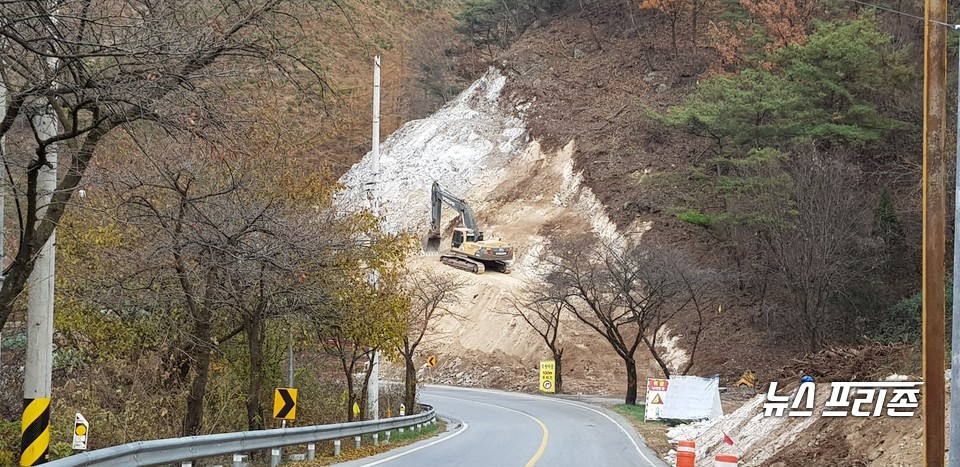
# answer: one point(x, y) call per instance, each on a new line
point(547, 376)
point(432, 360)
point(656, 400)
point(285, 404)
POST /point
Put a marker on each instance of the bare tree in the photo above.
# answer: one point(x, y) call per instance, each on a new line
point(431, 294)
point(172, 208)
point(276, 276)
point(218, 240)
point(628, 295)
point(696, 8)
point(816, 246)
point(101, 65)
point(541, 307)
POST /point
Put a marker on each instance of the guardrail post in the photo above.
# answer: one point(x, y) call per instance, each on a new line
point(182, 452)
point(400, 429)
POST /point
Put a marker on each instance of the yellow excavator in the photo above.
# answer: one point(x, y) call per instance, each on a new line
point(468, 250)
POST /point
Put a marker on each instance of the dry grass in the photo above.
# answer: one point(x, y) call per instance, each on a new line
point(349, 452)
point(654, 434)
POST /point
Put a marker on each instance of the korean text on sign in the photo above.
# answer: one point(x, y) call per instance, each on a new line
point(853, 398)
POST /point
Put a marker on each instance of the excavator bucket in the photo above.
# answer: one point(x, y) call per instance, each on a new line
point(432, 246)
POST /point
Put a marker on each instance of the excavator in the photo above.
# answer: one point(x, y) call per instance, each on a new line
point(468, 250)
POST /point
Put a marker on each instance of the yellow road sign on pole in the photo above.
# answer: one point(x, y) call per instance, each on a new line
point(285, 404)
point(547, 376)
point(432, 360)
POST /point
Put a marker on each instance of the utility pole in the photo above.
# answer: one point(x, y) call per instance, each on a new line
point(35, 438)
point(3, 185)
point(3, 155)
point(955, 337)
point(290, 359)
point(934, 229)
point(373, 388)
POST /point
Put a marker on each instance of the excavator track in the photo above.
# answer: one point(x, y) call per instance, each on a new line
point(461, 262)
point(501, 266)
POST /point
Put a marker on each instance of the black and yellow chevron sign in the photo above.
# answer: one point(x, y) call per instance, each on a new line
point(35, 431)
point(285, 404)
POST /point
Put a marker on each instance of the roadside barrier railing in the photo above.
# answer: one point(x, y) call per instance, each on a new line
point(185, 450)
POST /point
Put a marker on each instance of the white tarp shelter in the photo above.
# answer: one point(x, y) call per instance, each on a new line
point(692, 398)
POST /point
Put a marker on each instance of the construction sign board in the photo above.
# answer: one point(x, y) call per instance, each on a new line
point(285, 404)
point(548, 376)
point(656, 396)
point(693, 398)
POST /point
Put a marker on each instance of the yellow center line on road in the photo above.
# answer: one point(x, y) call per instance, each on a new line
point(543, 443)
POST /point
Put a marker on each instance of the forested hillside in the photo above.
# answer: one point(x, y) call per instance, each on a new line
point(778, 141)
point(775, 142)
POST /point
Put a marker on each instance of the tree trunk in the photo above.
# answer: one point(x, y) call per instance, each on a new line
point(631, 365)
point(813, 339)
point(193, 420)
point(254, 331)
point(557, 372)
point(651, 345)
point(673, 37)
point(694, 17)
point(364, 396)
point(410, 382)
point(350, 397)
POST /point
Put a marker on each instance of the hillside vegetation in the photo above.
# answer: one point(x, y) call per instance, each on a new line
point(774, 141)
point(777, 141)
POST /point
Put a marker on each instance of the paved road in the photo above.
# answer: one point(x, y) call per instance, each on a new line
point(495, 428)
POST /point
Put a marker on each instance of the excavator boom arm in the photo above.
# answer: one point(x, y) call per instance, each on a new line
point(440, 195)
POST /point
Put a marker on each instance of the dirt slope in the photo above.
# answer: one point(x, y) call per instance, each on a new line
point(538, 198)
point(478, 147)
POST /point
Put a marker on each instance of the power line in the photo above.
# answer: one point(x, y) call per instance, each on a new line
point(891, 10)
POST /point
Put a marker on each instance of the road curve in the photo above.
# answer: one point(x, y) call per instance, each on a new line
point(496, 428)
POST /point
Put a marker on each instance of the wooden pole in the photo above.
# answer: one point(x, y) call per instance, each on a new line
point(934, 230)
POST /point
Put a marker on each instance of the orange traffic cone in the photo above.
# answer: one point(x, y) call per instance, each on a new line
point(686, 453)
point(726, 460)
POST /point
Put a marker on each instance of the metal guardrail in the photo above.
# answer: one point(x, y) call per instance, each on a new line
point(175, 450)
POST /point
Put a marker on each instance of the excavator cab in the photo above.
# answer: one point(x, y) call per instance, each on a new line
point(461, 236)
